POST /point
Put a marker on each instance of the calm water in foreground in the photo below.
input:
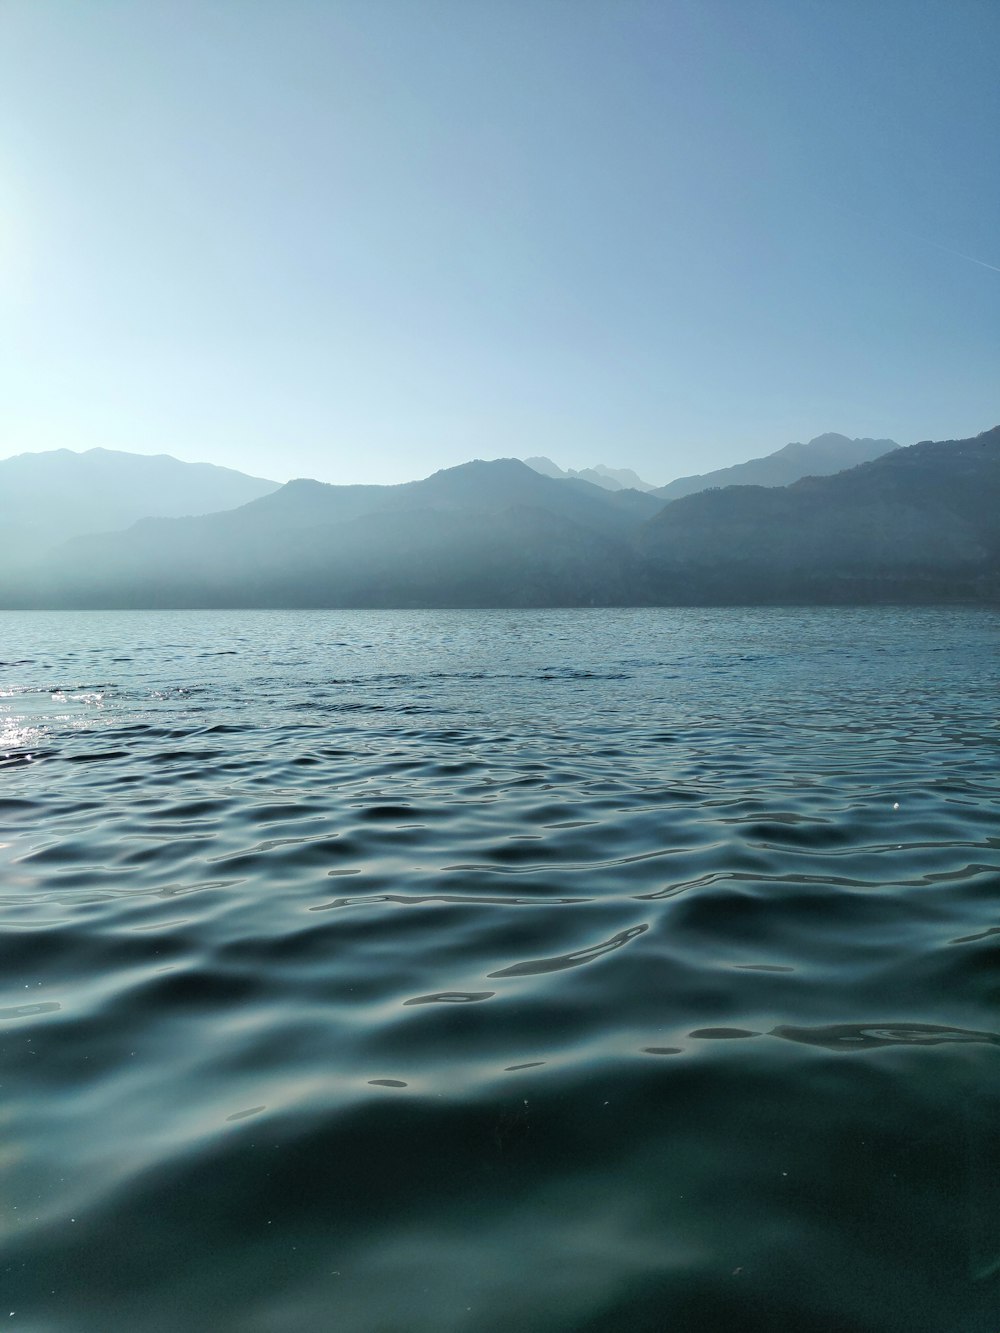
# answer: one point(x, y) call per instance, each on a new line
point(489, 971)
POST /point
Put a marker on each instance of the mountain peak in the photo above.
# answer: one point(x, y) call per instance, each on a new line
point(827, 438)
point(49, 496)
point(822, 456)
point(608, 478)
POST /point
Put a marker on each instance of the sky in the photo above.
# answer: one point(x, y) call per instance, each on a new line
point(361, 240)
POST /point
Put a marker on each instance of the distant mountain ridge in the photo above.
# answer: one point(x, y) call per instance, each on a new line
point(920, 524)
point(48, 497)
point(483, 533)
point(611, 479)
point(915, 525)
point(821, 457)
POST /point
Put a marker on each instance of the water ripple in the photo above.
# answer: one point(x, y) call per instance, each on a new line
point(537, 966)
point(736, 875)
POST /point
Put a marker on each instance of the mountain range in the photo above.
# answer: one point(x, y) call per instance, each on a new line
point(920, 524)
point(47, 497)
point(478, 534)
point(821, 457)
point(608, 478)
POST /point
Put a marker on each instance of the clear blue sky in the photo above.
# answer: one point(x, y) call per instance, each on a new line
point(365, 240)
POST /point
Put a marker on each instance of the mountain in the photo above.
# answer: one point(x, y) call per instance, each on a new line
point(917, 524)
point(611, 479)
point(484, 533)
point(821, 457)
point(47, 497)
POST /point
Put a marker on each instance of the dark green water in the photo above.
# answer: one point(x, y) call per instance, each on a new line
point(612, 970)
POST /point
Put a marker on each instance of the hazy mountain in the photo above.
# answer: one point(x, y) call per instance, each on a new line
point(47, 497)
point(479, 534)
point(611, 479)
point(821, 457)
point(917, 524)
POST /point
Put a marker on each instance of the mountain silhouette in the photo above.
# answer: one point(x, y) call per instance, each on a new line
point(476, 534)
point(609, 478)
point(47, 497)
point(916, 524)
point(920, 524)
point(821, 457)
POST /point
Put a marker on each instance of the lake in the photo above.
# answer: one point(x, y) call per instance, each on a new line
point(546, 971)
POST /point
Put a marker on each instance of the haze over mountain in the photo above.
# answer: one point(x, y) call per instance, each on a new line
point(611, 479)
point(917, 524)
point(821, 457)
point(46, 498)
point(480, 534)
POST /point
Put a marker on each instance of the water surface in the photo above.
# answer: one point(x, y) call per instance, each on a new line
point(497, 971)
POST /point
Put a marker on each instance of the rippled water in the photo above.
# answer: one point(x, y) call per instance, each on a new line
point(500, 971)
